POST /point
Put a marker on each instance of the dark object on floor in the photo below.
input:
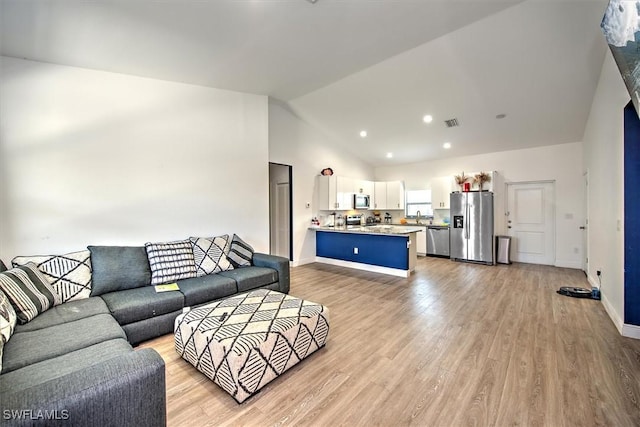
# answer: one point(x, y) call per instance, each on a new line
point(570, 291)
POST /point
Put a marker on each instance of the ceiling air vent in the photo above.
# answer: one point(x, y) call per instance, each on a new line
point(451, 123)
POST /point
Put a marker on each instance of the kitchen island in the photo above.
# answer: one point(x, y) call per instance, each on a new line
point(382, 249)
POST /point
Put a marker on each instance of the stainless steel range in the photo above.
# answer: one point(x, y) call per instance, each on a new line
point(353, 220)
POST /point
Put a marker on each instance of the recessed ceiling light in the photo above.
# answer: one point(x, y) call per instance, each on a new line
point(428, 118)
point(446, 145)
point(389, 155)
point(363, 133)
point(501, 116)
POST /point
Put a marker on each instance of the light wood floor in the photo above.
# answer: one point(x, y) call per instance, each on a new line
point(455, 344)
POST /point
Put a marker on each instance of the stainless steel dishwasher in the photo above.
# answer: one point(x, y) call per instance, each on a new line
point(438, 241)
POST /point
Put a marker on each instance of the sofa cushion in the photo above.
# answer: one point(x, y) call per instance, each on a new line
point(137, 304)
point(126, 390)
point(57, 367)
point(151, 328)
point(69, 274)
point(67, 312)
point(28, 290)
point(209, 254)
point(248, 278)
point(118, 267)
point(199, 290)
point(27, 348)
point(170, 261)
point(240, 252)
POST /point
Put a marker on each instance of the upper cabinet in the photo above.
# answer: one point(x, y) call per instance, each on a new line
point(364, 187)
point(441, 188)
point(395, 195)
point(335, 193)
point(388, 195)
point(379, 195)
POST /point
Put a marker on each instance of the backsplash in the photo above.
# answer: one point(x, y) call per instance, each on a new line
point(439, 216)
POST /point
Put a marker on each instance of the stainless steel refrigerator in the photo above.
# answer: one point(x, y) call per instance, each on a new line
point(471, 231)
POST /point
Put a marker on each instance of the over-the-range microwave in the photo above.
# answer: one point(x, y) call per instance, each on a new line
point(361, 201)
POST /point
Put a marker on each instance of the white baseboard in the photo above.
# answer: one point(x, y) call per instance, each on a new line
point(615, 318)
point(631, 331)
point(568, 264)
point(366, 267)
point(626, 330)
point(303, 262)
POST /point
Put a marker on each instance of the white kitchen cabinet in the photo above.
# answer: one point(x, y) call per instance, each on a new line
point(379, 195)
point(388, 195)
point(363, 187)
point(335, 193)
point(440, 190)
point(421, 241)
point(395, 195)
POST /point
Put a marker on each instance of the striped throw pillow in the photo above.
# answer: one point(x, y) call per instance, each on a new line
point(240, 252)
point(7, 322)
point(29, 291)
point(170, 261)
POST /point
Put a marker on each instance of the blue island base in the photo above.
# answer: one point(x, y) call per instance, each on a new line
point(388, 254)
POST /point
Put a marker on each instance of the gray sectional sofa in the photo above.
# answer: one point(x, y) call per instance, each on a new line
point(74, 364)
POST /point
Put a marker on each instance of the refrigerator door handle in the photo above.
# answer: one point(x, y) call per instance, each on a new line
point(466, 220)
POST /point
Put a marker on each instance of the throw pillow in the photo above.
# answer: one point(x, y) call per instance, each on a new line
point(240, 252)
point(29, 291)
point(69, 274)
point(170, 261)
point(116, 268)
point(209, 254)
point(7, 322)
point(2, 266)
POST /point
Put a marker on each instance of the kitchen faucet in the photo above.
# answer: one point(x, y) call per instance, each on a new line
point(418, 215)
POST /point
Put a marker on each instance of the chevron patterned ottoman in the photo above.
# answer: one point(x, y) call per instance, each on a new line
point(247, 340)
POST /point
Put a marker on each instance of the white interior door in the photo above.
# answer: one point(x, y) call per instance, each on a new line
point(531, 222)
point(282, 220)
point(280, 210)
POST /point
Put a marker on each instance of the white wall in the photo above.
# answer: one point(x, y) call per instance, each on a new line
point(91, 157)
point(560, 163)
point(294, 142)
point(603, 157)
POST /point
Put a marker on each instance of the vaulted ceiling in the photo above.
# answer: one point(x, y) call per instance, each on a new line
point(350, 65)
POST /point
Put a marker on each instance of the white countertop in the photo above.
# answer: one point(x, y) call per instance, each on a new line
point(397, 230)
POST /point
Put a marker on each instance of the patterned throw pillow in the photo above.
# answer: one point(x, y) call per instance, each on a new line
point(170, 261)
point(29, 291)
point(209, 254)
point(7, 322)
point(240, 253)
point(69, 274)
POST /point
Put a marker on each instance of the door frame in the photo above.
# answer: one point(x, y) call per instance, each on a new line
point(585, 231)
point(554, 210)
